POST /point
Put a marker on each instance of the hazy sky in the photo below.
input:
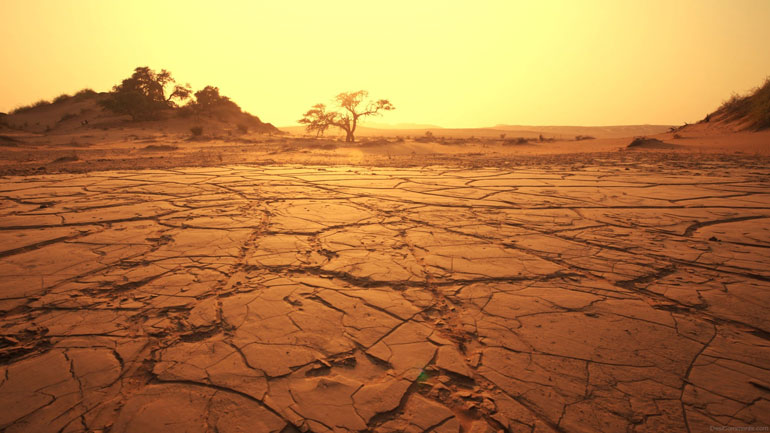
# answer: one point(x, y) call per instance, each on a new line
point(451, 63)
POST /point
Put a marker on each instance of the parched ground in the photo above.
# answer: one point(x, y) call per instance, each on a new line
point(598, 298)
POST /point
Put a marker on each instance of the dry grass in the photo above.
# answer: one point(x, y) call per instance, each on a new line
point(753, 108)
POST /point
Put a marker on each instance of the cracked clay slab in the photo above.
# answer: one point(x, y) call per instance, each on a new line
point(352, 299)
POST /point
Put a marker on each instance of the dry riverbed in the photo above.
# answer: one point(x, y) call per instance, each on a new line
point(589, 296)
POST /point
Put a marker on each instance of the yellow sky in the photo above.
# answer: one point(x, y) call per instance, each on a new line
point(451, 63)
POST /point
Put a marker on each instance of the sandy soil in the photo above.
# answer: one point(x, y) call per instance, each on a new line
point(94, 149)
point(609, 291)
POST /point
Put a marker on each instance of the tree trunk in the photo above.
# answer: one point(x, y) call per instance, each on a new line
point(349, 137)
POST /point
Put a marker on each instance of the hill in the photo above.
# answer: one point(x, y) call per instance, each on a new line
point(747, 112)
point(131, 106)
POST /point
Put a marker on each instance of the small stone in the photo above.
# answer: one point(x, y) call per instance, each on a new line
point(488, 405)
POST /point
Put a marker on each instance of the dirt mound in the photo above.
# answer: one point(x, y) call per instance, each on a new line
point(650, 143)
point(160, 147)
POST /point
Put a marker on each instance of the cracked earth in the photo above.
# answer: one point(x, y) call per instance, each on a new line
point(336, 299)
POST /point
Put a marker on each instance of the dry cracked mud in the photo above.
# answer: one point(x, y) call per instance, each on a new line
point(336, 299)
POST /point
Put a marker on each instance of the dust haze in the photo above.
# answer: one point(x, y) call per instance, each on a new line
point(172, 261)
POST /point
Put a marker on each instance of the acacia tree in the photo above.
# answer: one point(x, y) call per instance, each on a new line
point(351, 109)
point(143, 94)
point(318, 119)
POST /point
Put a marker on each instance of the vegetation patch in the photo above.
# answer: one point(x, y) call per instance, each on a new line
point(753, 108)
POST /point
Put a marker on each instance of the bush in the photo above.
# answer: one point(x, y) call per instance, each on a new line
point(243, 129)
point(427, 138)
point(24, 108)
point(584, 137)
point(84, 94)
point(515, 141)
point(61, 98)
point(196, 131)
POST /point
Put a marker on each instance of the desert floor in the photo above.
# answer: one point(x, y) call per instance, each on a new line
point(617, 291)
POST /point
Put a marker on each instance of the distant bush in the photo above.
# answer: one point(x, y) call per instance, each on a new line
point(515, 141)
point(210, 103)
point(84, 94)
point(427, 138)
point(584, 137)
point(243, 129)
point(196, 131)
point(61, 98)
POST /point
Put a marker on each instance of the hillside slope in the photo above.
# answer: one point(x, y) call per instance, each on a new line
point(747, 112)
point(85, 110)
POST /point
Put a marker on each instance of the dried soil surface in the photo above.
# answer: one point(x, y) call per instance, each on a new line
point(597, 298)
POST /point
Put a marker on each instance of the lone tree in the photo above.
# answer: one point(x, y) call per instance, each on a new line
point(143, 94)
point(318, 119)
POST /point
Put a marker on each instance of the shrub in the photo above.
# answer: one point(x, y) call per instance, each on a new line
point(84, 94)
point(243, 129)
point(584, 137)
point(61, 98)
point(515, 141)
point(25, 108)
point(196, 131)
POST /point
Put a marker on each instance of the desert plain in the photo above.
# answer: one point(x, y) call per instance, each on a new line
point(283, 284)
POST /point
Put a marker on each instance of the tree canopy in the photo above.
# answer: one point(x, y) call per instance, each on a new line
point(208, 101)
point(143, 94)
point(352, 107)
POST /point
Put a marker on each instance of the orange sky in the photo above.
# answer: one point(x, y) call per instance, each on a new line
point(451, 63)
